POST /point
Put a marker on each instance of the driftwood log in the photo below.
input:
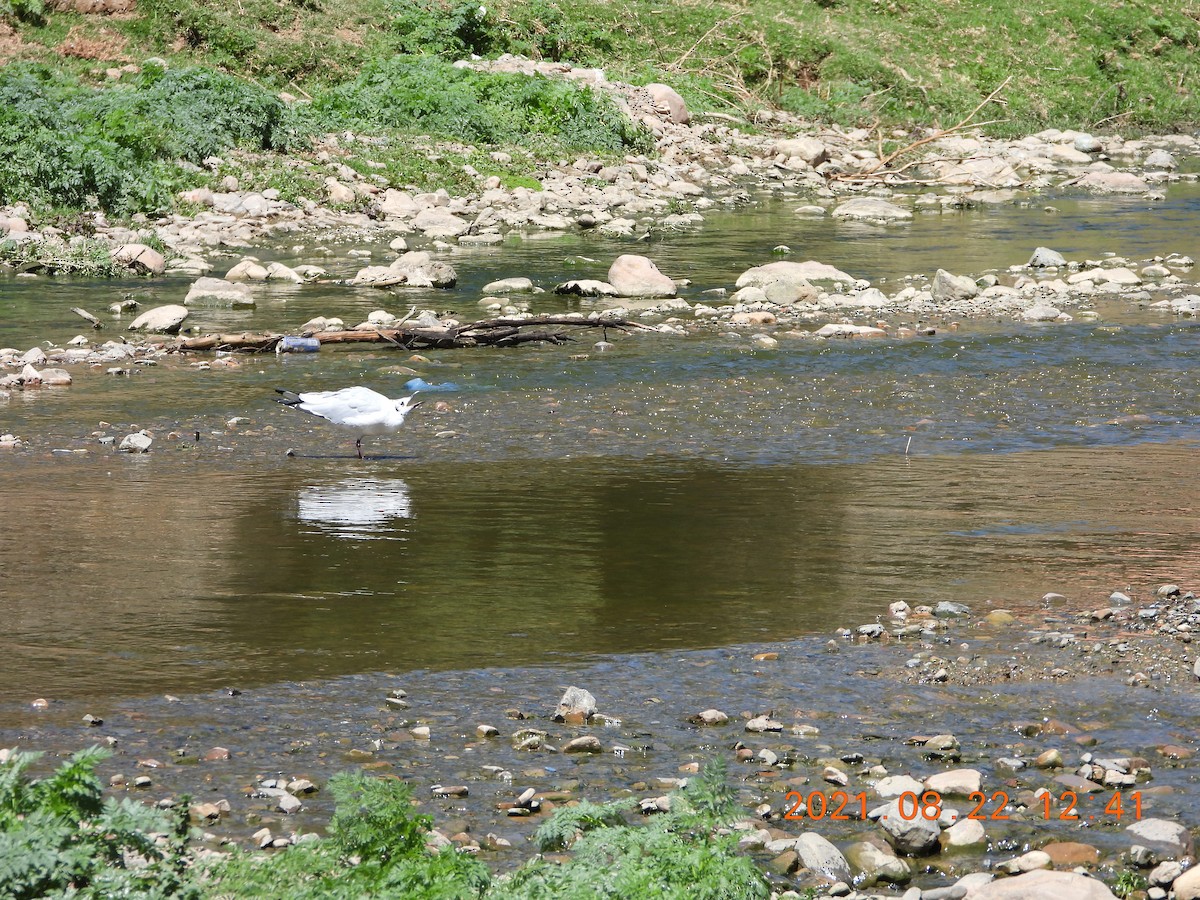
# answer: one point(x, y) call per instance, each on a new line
point(501, 332)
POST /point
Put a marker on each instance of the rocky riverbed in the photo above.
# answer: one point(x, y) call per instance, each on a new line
point(699, 164)
point(941, 752)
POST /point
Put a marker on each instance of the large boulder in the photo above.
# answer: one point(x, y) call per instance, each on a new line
point(820, 856)
point(872, 209)
point(1042, 884)
point(948, 287)
point(872, 865)
point(398, 204)
point(218, 292)
point(911, 836)
point(670, 105)
point(160, 319)
point(1114, 183)
point(416, 268)
point(809, 149)
point(439, 222)
point(638, 276)
point(140, 258)
point(586, 287)
point(985, 171)
point(809, 271)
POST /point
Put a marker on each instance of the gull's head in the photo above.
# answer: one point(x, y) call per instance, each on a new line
point(405, 404)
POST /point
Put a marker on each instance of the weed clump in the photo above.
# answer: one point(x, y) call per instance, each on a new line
point(430, 96)
point(119, 148)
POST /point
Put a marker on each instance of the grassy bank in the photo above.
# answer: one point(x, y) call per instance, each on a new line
point(373, 66)
point(60, 836)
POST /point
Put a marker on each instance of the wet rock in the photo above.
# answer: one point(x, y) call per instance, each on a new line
point(1049, 759)
point(55, 377)
point(915, 836)
point(138, 442)
point(1187, 885)
point(220, 292)
point(586, 288)
point(204, 813)
point(872, 209)
point(1042, 884)
point(587, 743)
point(1085, 143)
point(1028, 862)
point(1160, 159)
point(820, 856)
point(216, 754)
point(638, 276)
point(1068, 854)
point(844, 330)
point(576, 706)
point(759, 724)
point(1114, 183)
point(277, 271)
point(1042, 312)
point(949, 288)
point(1169, 840)
point(963, 834)
point(709, 717)
point(895, 785)
point(160, 319)
point(508, 286)
point(529, 739)
point(416, 268)
point(1044, 257)
point(140, 258)
point(248, 269)
point(874, 865)
point(958, 782)
point(808, 271)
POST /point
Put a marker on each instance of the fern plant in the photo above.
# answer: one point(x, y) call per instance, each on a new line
point(58, 833)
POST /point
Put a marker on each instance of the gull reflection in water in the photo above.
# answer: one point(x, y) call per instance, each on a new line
point(360, 508)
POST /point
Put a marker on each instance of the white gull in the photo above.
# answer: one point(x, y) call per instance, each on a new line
point(359, 410)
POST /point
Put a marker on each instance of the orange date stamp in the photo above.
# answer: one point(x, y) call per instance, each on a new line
point(1065, 807)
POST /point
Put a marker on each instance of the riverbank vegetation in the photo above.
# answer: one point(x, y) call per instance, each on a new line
point(89, 119)
point(60, 836)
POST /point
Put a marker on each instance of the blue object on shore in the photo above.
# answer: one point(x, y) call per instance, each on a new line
point(420, 384)
point(297, 345)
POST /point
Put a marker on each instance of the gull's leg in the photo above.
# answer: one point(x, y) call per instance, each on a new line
point(358, 446)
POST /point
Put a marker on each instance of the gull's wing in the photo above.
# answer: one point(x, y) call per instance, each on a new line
point(349, 406)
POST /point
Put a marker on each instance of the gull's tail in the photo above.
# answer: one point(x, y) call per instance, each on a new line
point(289, 398)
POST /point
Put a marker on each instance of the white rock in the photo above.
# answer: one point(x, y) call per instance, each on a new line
point(219, 292)
point(638, 276)
point(872, 209)
point(160, 319)
point(138, 442)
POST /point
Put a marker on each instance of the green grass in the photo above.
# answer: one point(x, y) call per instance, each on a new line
point(380, 68)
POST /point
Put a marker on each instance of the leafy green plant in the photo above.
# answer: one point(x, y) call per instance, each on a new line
point(1129, 883)
point(58, 833)
point(676, 855)
point(30, 11)
point(427, 95)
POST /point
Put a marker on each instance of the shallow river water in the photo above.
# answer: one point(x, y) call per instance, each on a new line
point(571, 512)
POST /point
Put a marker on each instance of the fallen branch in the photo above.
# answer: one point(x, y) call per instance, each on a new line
point(84, 314)
point(966, 122)
point(501, 332)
